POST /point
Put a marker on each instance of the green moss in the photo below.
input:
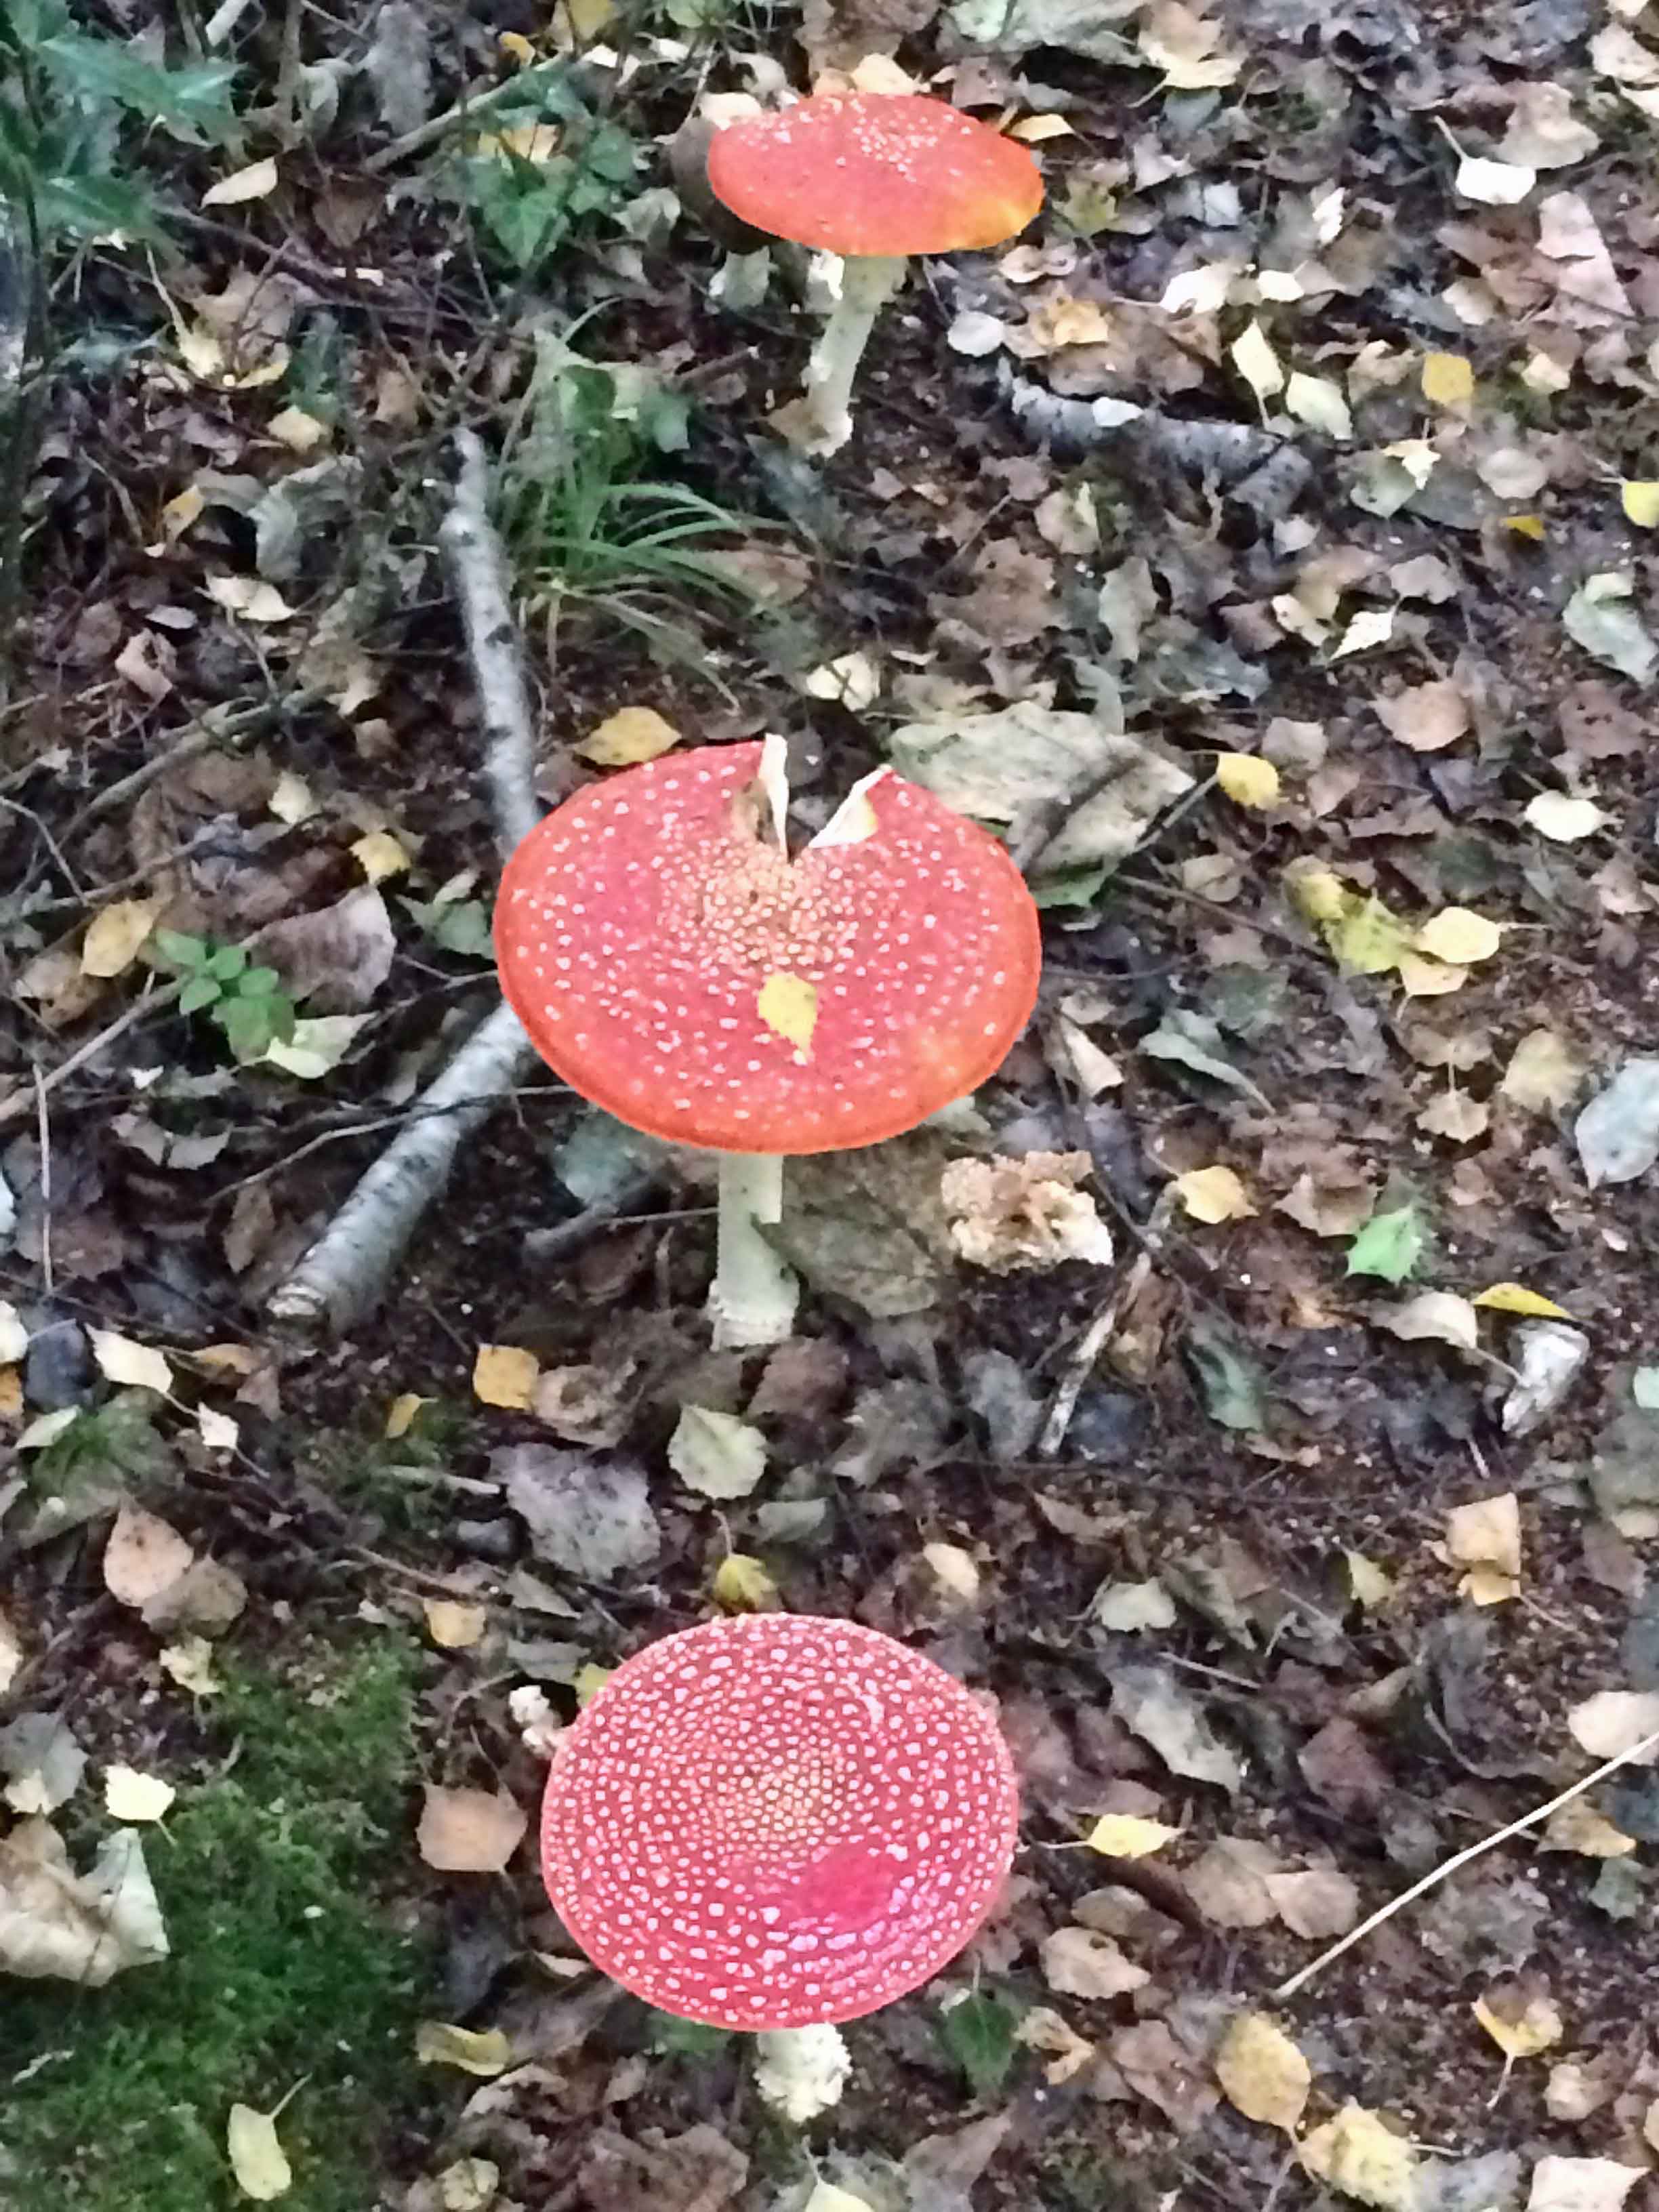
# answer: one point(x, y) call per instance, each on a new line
point(286, 1963)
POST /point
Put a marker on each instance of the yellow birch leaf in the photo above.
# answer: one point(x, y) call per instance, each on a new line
point(1430, 978)
point(1459, 936)
point(503, 1375)
point(632, 734)
point(743, 1585)
point(452, 1626)
point(485, 2051)
point(400, 1415)
point(300, 432)
point(1247, 779)
point(1213, 1194)
point(1529, 527)
point(1516, 1298)
point(379, 856)
point(1369, 1585)
point(1448, 380)
point(1533, 2028)
point(114, 936)
point(1363, 2158)
point(1640, 501)
point(788, 1004)
point(256, 2158)
point(1128, 1836)
point(1263, 2074)
point(132, 1365)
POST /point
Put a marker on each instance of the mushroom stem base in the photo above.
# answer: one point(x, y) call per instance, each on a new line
point(800, 2072)
point(754, 1297)
point(868, 282)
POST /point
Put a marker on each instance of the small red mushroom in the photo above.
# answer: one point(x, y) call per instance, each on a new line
point(873, 176)
point(676, 965)
point(777, 1820)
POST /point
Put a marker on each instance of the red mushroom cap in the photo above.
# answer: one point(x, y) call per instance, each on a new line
point(868, 173)
point(677, 967)
point(776, 1820)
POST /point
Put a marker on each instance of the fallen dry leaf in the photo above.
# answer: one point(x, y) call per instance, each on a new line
point(1361, 2157)
point(1214, 1194)
point(1079, 1962)
point(1521, 2025)
point(1613, 1722)
point(1582, 2185)
point(256, 2154)
point(470, 1831)
point(143, 1556)
point(1485, 1537)
point(1262, 2073)
point(505, 1375)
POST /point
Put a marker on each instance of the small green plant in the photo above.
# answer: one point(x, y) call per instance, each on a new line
point(688, 2038)
point(588, 526)
point(979, 2033)
point(545, 166)
point(248, 1005)
point(72, 103)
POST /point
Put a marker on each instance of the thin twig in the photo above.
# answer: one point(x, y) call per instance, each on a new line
point(43, 1126)
point(152, 1002)
point(1300, 1979)
point(1093, 1341)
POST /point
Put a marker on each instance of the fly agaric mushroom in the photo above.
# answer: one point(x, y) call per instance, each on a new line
point(873, 176)
point(778, 1821)
point(675, 965)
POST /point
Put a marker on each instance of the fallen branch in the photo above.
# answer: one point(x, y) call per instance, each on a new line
point(479, 571)
point(343, 1274)
point(1636, 1751)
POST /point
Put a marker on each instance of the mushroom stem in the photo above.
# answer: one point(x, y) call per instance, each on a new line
point(754, 1297)
point(800, 2072)
point(868, 282)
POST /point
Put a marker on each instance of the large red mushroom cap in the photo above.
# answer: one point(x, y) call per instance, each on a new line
point(777, 1820)
point(875, 172)
point(677, 966)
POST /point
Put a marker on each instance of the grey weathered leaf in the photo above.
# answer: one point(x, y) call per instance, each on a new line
point(1618, 1132)
point(593, 1520)
point(1147, 1701)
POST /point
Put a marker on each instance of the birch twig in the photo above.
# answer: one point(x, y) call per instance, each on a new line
point(343, 1274)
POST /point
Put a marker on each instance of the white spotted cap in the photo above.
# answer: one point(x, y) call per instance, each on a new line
point(648, 930)
point(776, 1820)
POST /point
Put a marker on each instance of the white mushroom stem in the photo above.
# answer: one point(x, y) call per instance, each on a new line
point(868, 282)
point(754, 1296)
point(800, 2072)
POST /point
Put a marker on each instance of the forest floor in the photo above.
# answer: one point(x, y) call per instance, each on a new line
point(1310, 437)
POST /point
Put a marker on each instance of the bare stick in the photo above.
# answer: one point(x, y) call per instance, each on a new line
point(479, 572)
point(1636, 1751)
point(341, 1276)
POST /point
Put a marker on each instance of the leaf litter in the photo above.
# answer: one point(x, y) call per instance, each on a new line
point(1370, 554)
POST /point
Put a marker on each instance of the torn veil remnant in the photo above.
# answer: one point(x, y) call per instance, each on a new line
point(674, 962)
point(776, 1822)
point(874, 177)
